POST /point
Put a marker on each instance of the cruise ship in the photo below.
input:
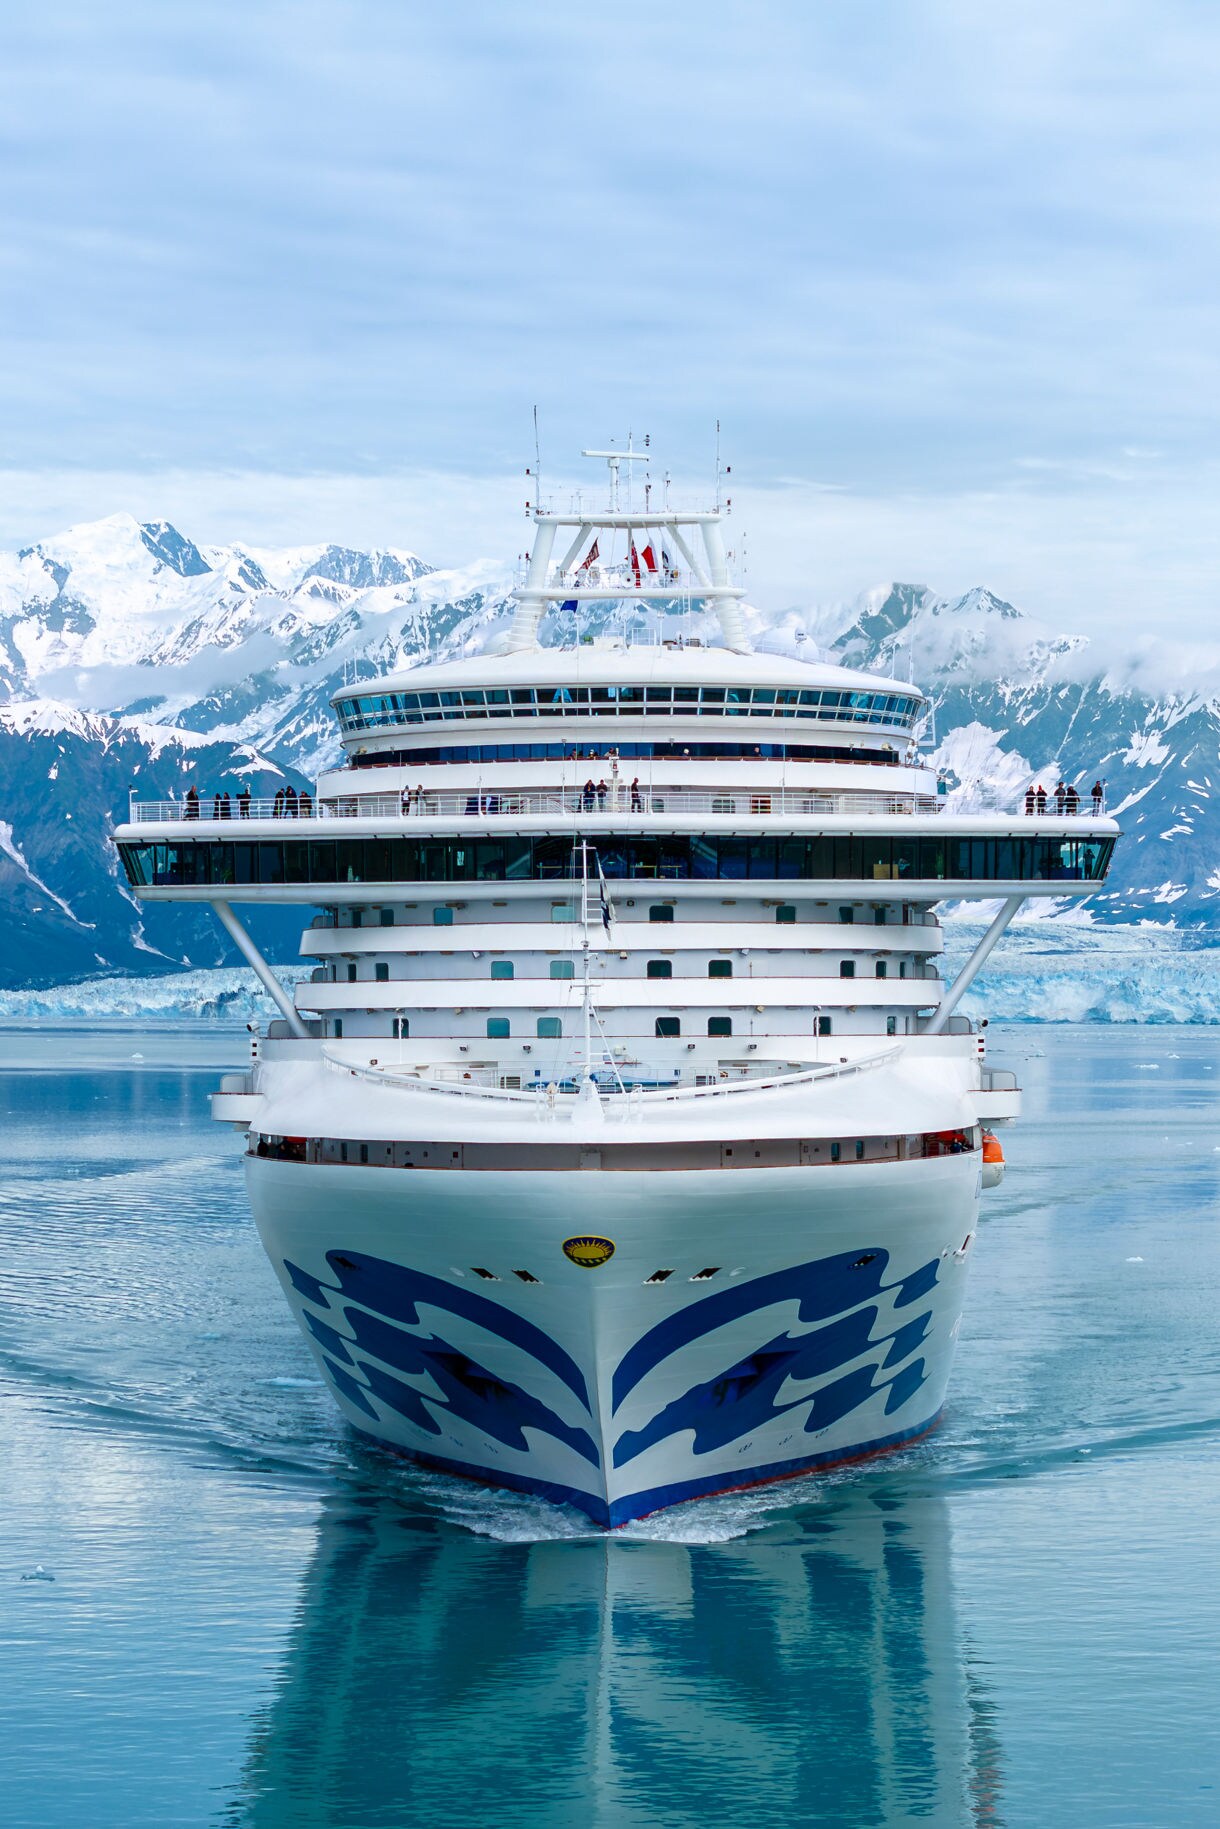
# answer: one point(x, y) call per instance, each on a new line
point(623, 1142)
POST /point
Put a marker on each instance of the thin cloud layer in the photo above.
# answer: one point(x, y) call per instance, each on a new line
point(954, 266)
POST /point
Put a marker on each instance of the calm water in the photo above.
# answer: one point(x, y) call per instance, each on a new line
point(255, 1623)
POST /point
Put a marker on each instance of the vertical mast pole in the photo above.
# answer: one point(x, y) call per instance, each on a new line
point(584, 921)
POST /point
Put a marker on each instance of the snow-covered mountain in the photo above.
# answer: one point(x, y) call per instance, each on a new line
point(132, 657)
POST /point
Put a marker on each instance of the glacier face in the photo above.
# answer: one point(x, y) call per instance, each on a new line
point(1044, 971)
point(134, 656)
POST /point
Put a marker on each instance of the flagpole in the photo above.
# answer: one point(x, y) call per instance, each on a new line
point(584, 919)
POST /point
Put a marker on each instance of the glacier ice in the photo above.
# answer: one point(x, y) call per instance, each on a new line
point(1043, 971)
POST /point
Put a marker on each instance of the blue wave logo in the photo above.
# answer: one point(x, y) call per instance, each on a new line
point(745, 1395)
point(381, 1300)
point(387, 1294)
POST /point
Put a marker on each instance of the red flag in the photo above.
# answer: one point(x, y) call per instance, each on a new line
point(635, 563)
point(649, 558)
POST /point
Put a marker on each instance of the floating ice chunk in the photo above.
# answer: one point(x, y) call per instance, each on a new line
point(40, 1574)
point(137, 1057)
point(1135, 1260)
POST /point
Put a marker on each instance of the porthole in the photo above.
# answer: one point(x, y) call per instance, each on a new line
point(702, 1276)
point(526, 1276)
point(488, 1276)
point(658, 1276)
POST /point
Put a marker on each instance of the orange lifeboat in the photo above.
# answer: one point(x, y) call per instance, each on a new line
point(993, 1160)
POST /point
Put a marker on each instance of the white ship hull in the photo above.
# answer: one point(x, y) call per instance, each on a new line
point(826, 1333)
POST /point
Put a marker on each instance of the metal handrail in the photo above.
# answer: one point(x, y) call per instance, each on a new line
point(618, 801)
point(662, 1095)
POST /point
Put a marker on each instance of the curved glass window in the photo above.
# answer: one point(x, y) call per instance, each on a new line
point(202, 862)
point(385, 710)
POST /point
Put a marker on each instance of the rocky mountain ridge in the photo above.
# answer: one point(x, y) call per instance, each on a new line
point(133, 657)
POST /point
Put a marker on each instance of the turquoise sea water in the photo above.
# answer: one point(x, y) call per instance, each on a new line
point(254, 1622)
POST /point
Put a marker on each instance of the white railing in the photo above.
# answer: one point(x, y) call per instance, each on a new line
point(620, 801)
point(547, 1096)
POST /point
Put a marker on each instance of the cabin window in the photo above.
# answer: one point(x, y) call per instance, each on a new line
point(402, 1027)
point(563, 911)
point(661, 911)
point(351, 974)
point(660, 968)
point(498, 1029)
point(501, 968)
point(720, 968)
point(824, 1025)
point(902, 968)
point(338, 1028)
point(847, 968)
point(891, 1025)
point(785, 914)
point(720, 1025)
point(878, 917)
point(549, 1028)
point(387, 917)
point(442, 917)
point(381, 972)
point(669, 1025)
point(882, 968)
point(860, 1149)
point(836, 1152)
point(847, 916)
point(562, 968)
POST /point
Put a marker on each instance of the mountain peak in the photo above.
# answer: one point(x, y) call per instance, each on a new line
point(173, 549)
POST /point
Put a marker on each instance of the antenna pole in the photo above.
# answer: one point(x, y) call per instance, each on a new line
point(584, 944)
point(537, 465)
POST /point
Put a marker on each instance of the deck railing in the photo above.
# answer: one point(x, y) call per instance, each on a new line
point(620, 802)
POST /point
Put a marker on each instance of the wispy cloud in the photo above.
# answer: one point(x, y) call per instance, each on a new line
point(320, 250)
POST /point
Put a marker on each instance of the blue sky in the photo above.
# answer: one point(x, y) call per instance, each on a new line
point(946, 273)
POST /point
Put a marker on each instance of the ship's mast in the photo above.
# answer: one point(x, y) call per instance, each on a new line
point(682, 530)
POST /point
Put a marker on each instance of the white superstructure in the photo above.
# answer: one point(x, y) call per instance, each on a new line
point(623, 1142)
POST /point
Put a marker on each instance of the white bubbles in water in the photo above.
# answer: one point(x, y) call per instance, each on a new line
point(1135, 1260)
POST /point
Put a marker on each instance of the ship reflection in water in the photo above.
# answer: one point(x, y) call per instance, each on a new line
point(811, 1671)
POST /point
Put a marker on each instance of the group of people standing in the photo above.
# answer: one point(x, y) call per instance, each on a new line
point(1066, 797)
point(595, 793)
point(288, 804)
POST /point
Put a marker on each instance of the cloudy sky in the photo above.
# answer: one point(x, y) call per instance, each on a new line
point(285, 270)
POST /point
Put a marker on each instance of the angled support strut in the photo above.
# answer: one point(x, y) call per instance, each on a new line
point(973, 966)
point(262, 971)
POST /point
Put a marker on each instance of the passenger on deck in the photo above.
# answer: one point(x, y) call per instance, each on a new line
point(1098, 796)
point(1040, 799)
point(586, 797)
point(215, 806)
point(304, 805)
point(277, 806)
point(243, 801)
point(637, 799)
point(1060, 797)
point(226, 806)
point(1071, 801)
point(290, 802)
point(192, 802)
point(1029, 803)
point(601, 796)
